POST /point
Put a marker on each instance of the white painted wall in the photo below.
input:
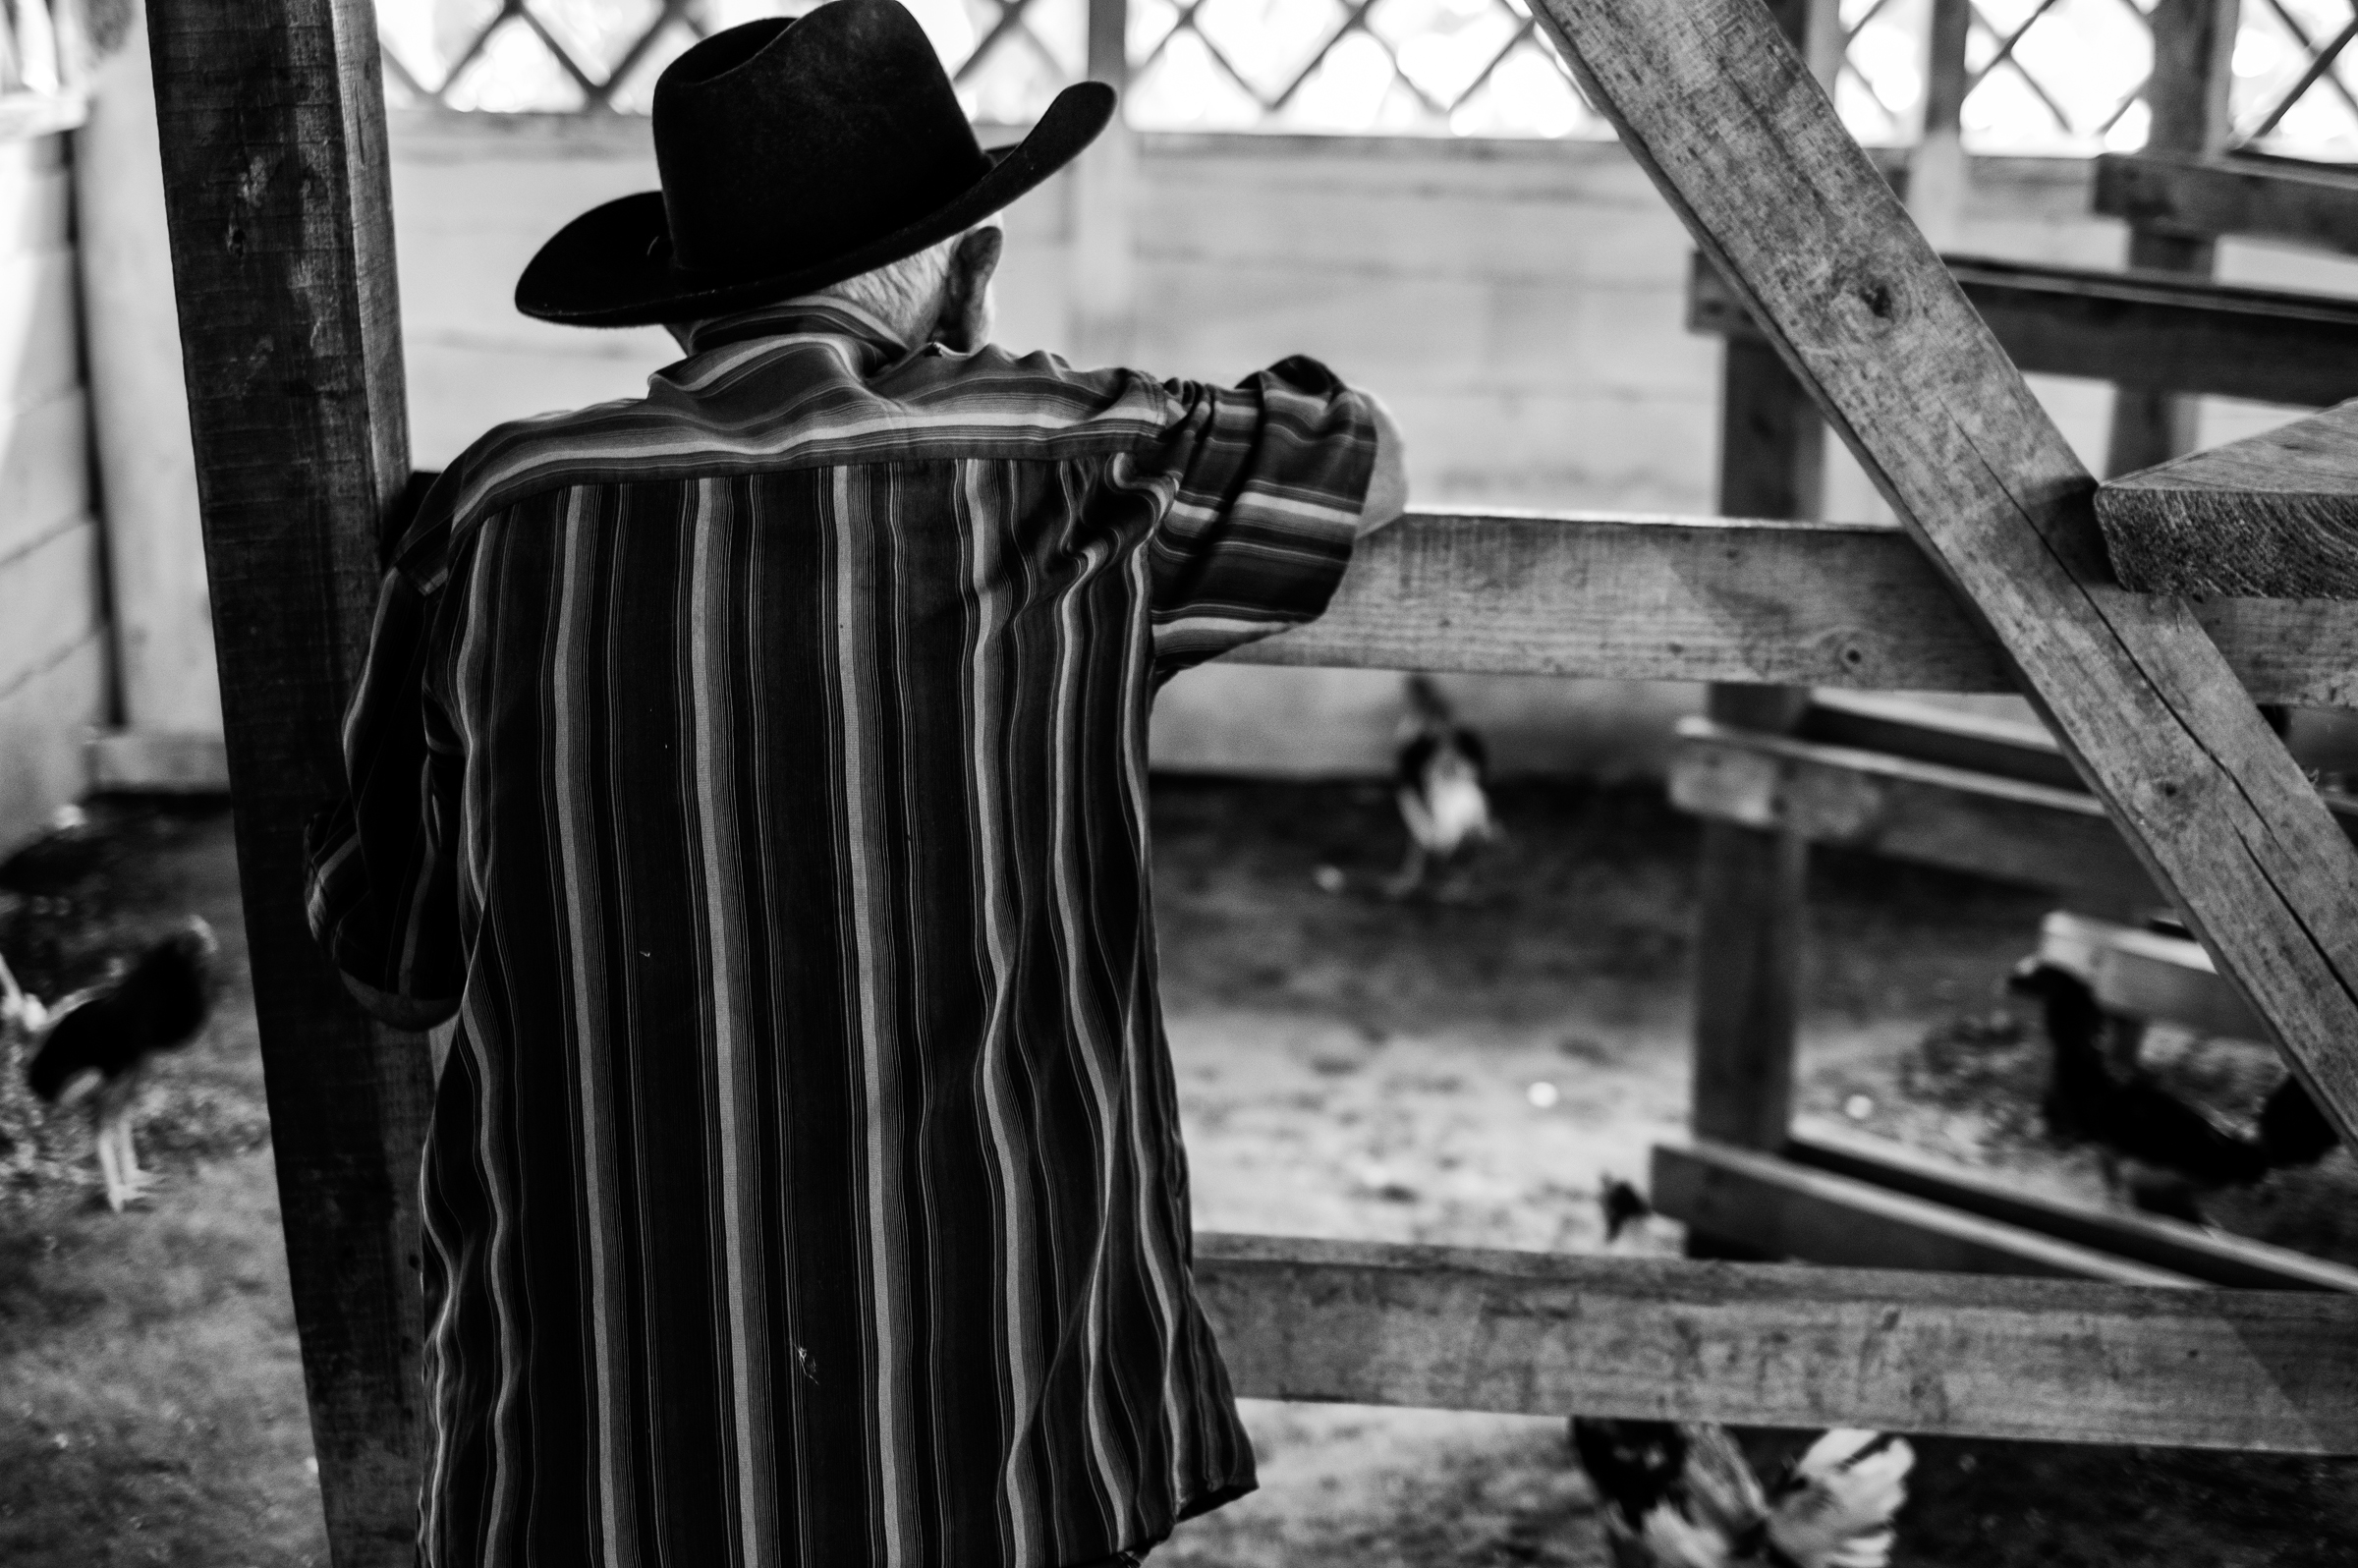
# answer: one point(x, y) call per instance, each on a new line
point(1519, 304)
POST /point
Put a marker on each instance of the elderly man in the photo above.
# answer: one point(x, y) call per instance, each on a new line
point(754, 775)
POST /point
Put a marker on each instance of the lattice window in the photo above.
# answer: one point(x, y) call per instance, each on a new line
point(2045, 76)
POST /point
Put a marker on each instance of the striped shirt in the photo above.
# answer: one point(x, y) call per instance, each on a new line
point(756, 772)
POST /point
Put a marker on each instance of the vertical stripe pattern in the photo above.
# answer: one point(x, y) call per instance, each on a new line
point(756, 772)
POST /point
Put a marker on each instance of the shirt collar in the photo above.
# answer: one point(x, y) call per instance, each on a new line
point(807, 312)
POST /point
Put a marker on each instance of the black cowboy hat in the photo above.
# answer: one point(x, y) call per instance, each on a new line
point(794, 153)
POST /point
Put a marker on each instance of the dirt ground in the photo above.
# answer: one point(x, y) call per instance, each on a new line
point(1460, 1072)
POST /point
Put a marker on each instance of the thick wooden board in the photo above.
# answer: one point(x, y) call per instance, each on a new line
point(2138, 330)
point(272, 134)
point(2214, 197)
point(44, 714)
point(1814, 1217)
point(2273, 516)
point(1748, 601)
point(1711, 101)
point(1539, 1334)
point(2212, 1257)
point(2142, 973)
point(2033, 834)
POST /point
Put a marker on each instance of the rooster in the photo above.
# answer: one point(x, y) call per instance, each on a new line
point(1682, 1497)
point(95, 1044)
point(1442, 767)
point(2174, 1150)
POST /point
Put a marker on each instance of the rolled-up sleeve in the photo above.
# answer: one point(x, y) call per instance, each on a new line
point(382, 892)
point(1262, 485)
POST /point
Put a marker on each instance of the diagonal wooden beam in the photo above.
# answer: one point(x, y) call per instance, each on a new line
point(1723, 113)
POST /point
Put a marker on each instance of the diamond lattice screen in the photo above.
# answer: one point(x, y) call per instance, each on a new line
point(2045, 76)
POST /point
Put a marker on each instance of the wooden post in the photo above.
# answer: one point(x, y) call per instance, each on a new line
point(2194, 43)
point(1751, 884)
point(1104, 189)
point(1721, 114)
point(1937, 176)
point(273, 141)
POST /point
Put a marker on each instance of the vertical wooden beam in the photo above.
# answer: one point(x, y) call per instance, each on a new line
point(2194, 45)
point(1105, 191)
point(1937, 176)
point(1752, 883)
point(273, 141)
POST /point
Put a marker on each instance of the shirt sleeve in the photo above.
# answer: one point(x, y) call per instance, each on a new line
point(1262, 485)
point(382, 889)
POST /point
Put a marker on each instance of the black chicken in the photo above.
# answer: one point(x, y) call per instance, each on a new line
point(95, 1044)
point(1682, 1497)
point(1442, 767)
point(2131, 1118)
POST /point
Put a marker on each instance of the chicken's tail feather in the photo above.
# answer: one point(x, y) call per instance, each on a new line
point(1833, 1508)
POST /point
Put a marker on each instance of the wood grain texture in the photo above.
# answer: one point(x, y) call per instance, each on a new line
point(1531, 1333)
point(1759, 602)
point(2032, 834)
point(2214, 1257)
point(272, 134)
point(1815, 1216)
point(2145, 329)
point(1751, 155)
point(2213, 197)
point(2273, 516)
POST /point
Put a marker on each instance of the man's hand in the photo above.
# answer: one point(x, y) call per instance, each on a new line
point(1387, 487)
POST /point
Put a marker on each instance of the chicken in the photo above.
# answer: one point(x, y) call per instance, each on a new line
point(1622, 1206)
point(2174, 1150)
point(1682, 1497)
point(95, 1044)
point(1442, 767)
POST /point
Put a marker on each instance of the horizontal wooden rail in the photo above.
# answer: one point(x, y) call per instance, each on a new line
point(2144, 975)
point(2154, 330)
point(2208, 1255)
point(2216, 198)
point(2033, 834)
point(1926, 732)
point(1778, 1209)
point(1735, 600)
point(1537, 1334)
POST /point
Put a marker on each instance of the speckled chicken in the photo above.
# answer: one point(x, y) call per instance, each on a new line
point(1682, 1497)
point(1443, 771)
point(96, 1044)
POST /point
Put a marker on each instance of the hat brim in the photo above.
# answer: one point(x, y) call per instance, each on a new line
point(611, 266)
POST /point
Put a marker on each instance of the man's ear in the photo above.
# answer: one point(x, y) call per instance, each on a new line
point(964, 324)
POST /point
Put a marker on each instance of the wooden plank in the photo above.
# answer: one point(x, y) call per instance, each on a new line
point(1815, 1216)
point(1750, 600)
point(1712, 103)
point(2212, 1257)
point(2033, 834)
point(2142, 973)
point(2272, 515)
point(2146, 329)
point(2186, 99)
point(43, 716)
point(1540, 1334)
point(49, 598)
point(2212, 196)
point(1924, 731)
point(272, 130)
point(159, 763)
point(44, 469)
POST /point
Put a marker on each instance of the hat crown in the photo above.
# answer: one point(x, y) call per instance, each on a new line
point(783, 142)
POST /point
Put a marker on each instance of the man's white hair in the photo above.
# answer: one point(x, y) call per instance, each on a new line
point(905, 294)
